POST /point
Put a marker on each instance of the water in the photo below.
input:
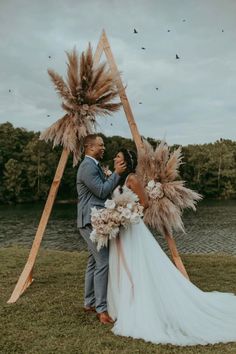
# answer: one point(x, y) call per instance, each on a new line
point(209, 230)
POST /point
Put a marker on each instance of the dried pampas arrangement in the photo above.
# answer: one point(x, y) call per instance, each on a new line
point(89, 91)
point(159, 169)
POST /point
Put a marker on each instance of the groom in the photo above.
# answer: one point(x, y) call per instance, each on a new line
point(93, 190)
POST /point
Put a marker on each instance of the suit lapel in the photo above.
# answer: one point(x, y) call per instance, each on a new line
point(101, 171)
point(98, 167)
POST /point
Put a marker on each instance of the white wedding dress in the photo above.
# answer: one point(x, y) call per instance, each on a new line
point(152, 300)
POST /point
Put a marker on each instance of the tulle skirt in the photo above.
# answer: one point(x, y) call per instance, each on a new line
point(152, 300)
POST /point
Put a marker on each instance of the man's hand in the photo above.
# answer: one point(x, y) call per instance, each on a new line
point(120, 167)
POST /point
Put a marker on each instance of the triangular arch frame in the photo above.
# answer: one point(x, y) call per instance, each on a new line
point(26, 277)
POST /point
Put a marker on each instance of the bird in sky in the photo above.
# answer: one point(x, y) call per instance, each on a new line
point(176, 56)
point(140, 103)
point(135, 31)
point(143, 48)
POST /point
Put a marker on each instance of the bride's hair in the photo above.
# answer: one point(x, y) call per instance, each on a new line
point(130, 158)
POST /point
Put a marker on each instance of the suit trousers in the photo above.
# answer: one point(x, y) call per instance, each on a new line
point(96, 276)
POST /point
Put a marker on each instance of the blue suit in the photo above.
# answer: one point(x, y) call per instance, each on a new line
point(93, 190)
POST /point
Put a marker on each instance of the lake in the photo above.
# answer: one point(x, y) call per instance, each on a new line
point(211, 229)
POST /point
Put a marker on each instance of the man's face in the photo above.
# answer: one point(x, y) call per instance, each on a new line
point(98, 148)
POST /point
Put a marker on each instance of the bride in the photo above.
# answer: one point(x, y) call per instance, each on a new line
point(147, 295)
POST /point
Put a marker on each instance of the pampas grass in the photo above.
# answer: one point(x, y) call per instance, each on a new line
point(88, 92)
point(160, 165)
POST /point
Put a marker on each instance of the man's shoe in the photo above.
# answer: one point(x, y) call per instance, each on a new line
point(104, 318)
point(89, 309)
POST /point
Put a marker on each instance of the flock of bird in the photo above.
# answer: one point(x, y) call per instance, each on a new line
point(135, 31)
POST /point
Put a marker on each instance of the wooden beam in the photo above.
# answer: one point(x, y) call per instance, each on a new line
point(116, 75)
point(175, 255)
point(26, 277)
point(98, 51)
point(136, 136)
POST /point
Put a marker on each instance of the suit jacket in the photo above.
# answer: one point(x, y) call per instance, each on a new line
point(93, 189)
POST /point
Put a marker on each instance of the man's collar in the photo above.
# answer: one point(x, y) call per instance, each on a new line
point(96, 161)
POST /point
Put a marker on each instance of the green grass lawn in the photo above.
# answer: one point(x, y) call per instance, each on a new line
point(48, 318)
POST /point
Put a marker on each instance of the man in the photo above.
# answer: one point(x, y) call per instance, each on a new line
point(93, 190)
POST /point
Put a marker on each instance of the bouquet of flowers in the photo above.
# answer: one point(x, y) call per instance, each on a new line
point(123, 209)
point(159, 171)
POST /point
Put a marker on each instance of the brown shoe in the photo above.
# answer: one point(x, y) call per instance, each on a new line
point(104, 318)
point(90, 309)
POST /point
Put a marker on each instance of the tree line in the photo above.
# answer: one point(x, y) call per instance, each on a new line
point(28, 165)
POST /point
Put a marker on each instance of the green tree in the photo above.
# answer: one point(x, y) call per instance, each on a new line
point(12, 181)
point(40, 163)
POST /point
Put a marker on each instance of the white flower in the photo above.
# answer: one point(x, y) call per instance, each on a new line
point(103, 216)
point(94, 211)
point(129, 206)
point(140, 209)
point(159, 190)
point(120, 209)
point(153, 194)
point(151, 184)
point(93, 218)
point(155, 190)
point(110, 204)
point(135, 218)
point(100, 229)
point(114, 232)
point(93, 236)
point(126, 213)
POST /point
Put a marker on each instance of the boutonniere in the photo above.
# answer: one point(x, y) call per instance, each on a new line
point(106, 171)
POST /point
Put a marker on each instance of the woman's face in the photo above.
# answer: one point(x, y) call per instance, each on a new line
point(119, 158)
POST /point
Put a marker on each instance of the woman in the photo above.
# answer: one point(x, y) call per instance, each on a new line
point(149, 298)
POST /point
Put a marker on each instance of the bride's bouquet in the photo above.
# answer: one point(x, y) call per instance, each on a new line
point(123, 209)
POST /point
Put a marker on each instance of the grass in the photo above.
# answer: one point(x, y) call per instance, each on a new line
point(48, 318)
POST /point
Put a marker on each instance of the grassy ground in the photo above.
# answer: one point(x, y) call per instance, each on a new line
point(48, 318)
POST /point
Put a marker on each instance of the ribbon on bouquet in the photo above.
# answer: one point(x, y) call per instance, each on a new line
point(121, 258)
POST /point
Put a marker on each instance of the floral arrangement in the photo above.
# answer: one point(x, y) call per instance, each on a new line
point(123, 209)
point(158, 169)
point(88, 91)
point(154, 190)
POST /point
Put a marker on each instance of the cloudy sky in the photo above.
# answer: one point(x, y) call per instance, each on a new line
point(195, 101)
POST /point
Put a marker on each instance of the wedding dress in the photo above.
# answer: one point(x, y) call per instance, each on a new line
point(150, 299)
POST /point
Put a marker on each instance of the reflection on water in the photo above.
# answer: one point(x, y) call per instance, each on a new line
point(211, 229)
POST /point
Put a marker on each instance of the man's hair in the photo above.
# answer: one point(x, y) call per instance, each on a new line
point(89, 140)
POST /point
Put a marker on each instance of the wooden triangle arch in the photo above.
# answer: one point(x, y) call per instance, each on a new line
point(26, 278)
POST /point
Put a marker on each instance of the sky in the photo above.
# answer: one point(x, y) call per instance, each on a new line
point(190, 100)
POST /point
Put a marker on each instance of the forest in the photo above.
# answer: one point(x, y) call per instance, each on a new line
point(28, 165)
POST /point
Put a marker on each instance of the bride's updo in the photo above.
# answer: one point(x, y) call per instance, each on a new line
point(130, 158)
